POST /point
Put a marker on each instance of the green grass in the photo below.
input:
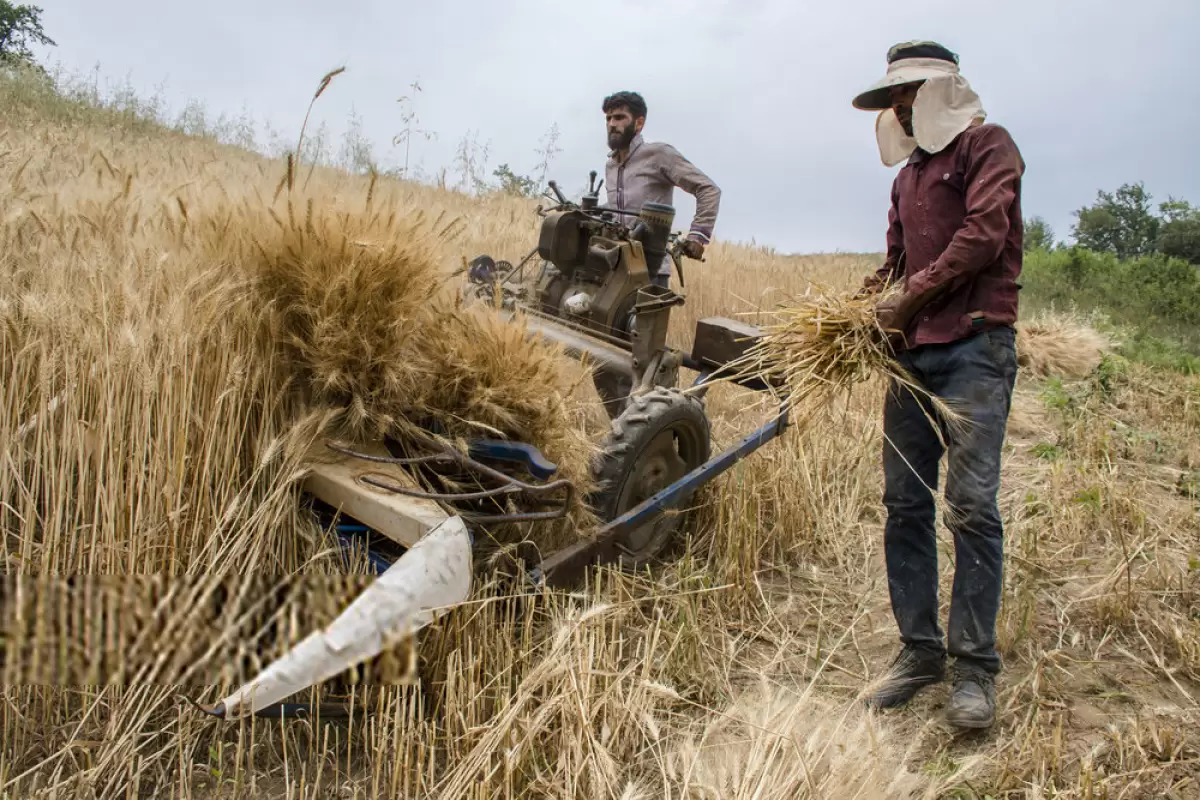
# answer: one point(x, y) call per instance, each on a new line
point(1152, 303)
point(1161, 353)
point(57, 97)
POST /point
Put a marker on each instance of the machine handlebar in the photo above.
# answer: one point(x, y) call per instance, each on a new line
point(561, 197)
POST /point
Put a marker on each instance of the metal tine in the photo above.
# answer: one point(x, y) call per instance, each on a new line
point(391, 487)
point(388, 459)
point(509, 484)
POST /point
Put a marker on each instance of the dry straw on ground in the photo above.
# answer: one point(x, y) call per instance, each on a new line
point(778, 743)
point(1060, 346)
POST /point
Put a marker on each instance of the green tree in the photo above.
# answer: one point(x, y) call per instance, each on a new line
point(1179, 234)
point(1174, 210)
point(19, 26)
point(514, 184)
point(1120, 223)
point(1038, 235)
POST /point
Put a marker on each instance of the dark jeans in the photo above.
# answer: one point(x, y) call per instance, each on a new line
point(975, 376)
point(662, 279)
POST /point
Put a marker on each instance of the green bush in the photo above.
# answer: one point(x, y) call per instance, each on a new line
point(1154, 298)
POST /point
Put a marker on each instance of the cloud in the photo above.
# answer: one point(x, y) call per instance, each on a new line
point(756, 92)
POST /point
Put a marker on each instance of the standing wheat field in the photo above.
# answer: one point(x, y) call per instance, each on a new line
point(178, 328)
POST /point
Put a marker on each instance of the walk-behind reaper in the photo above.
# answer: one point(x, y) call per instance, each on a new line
point(594, 297)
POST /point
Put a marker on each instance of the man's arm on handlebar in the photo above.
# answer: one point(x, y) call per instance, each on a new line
point(687, 176)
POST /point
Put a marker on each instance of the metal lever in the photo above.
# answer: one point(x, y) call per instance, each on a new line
point(593, 187)
point(526, 455)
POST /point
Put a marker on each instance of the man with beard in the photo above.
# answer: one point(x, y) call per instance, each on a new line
point(954, 243)
point(640, 172)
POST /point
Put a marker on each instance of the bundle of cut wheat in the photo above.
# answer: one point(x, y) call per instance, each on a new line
point(822, 344)
point(1061, 345)
point(355, 307)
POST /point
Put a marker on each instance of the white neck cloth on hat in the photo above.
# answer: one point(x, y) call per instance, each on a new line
point(944, 107)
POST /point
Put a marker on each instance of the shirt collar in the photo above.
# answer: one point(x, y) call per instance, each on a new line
point(633, 146)
point(918, 155)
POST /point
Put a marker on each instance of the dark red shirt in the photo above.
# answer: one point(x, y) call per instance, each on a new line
point(956, 219)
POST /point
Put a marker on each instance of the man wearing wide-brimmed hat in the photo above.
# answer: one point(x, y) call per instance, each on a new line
point(954, 245)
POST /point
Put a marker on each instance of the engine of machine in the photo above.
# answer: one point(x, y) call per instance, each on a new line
point(593, 271)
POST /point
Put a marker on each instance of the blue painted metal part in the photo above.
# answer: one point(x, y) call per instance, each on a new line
point(563, 567)
point(668, 497)
point(379, 563)
point(526, 455)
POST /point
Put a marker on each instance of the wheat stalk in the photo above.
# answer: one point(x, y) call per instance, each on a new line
point(322, 85)
point(820, 345)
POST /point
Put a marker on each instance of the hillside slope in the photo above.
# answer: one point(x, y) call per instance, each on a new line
point(734, 670)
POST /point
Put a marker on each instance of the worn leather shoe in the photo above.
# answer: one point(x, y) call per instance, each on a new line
point(911, 672)
point(973, 701)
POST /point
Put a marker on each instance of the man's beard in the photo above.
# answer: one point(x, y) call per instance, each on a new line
point(621, 141)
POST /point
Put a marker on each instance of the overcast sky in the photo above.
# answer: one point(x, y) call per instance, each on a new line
point(755, 92)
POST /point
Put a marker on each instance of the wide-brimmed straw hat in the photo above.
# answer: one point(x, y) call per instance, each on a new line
point(945, 104)
point(910, 62)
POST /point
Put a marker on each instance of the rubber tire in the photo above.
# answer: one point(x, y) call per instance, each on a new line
point(643, 419)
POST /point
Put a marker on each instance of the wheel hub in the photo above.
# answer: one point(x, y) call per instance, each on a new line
point(659, 467)
point(660, 436)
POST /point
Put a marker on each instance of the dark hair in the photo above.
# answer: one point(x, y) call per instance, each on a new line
point(629, 100)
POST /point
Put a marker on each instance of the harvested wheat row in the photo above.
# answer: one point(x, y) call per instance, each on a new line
point(1060, 346)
